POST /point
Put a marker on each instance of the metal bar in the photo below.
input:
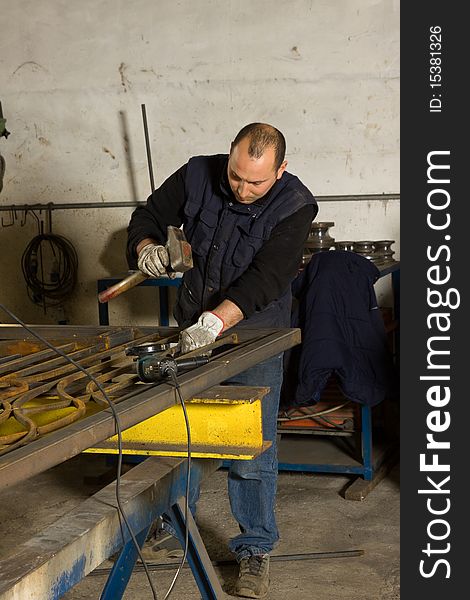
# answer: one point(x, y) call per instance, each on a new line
point(71, 205)
point(44, 453)
point(170, 566)
point(53, 561)
point(198, 559)
point(100, 205)
point(147, 147)
point(7, 359)
point(57, 332)
point(321, 468)
point(17, 361)
point(78, 332)
point(358, 198)
point(149, 282)
point(122, 569)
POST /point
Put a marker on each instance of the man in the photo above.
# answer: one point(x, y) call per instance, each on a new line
point(247, 220)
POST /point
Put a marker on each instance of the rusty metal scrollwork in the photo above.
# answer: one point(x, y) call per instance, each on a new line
point(41, 391)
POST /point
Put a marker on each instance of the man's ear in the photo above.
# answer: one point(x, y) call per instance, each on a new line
point(281, 170)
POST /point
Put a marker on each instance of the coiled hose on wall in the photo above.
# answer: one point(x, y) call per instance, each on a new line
point(50, 267)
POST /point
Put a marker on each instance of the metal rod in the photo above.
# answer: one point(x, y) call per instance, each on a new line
point(147, 145)
point(69, 206)
point(100, 205)
point(222, 563)
point(358, 198)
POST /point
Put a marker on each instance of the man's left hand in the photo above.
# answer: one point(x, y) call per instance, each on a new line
point(204, 332)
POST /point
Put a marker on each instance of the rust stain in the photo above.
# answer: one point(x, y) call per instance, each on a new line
point(44, 141)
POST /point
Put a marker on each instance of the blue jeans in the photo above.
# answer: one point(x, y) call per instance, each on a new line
point(252, 483)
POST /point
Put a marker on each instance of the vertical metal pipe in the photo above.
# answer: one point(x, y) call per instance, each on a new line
point(147, 145)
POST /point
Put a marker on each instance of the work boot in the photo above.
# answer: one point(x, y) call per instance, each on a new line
point(161, 544)
point(253, 577)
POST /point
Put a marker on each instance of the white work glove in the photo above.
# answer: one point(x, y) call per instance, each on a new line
point(153, 260)
point(204, 332)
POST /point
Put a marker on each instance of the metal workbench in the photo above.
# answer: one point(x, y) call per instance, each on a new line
point(50, 563)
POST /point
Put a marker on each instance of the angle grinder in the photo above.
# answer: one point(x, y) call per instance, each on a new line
point(154, 364)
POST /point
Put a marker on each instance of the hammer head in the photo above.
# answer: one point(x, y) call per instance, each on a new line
point(179, 250)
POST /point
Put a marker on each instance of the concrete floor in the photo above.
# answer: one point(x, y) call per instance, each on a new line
point(312, 517)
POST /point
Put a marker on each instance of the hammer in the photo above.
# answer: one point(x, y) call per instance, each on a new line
point(181, 260)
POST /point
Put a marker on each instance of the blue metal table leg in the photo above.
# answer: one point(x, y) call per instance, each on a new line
point(198, 559)
point(122, 569)
point(366, 434)
point(103, 311)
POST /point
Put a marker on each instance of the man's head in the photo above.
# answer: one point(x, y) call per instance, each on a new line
point(256, 161)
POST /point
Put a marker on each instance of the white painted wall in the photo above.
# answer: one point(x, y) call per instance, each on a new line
point(324, 72)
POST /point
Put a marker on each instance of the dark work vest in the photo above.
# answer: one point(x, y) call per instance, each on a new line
point(225, 236)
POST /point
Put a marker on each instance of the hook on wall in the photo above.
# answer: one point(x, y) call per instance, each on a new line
point(49, 217)
point(11, 221)
point(24, 214)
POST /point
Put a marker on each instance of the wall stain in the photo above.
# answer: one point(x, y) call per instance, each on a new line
point(151, 70)
point(31, 63)
point(107, 151)
point(295, 54)
point(348, 162)
point(124, 81)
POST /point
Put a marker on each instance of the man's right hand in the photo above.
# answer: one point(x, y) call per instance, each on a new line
point(153, 260)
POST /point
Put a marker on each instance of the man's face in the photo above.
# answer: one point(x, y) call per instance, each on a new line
point(251, 178)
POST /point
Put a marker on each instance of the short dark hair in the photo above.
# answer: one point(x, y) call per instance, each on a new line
point(261, 136)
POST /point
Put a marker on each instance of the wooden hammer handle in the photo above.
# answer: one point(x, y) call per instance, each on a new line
point(122, 286)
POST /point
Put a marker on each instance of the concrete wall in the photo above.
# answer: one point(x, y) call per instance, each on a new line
point(74, 75)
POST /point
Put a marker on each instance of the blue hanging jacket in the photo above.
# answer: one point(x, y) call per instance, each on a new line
point(343, 333)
